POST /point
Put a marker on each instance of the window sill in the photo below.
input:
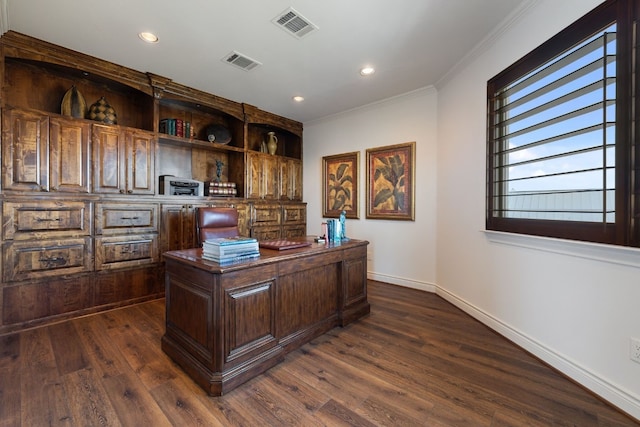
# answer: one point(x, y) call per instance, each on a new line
point(622, 255)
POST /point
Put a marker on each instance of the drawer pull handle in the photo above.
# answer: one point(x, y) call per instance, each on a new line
point(48, 220)
point(53, 261)
point(130, 217)
point(128, 250)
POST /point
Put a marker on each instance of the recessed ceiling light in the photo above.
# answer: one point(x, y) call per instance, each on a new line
point(148, 37)
point(298, 98)
point(367, 71)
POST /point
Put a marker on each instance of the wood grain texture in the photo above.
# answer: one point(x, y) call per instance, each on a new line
point(57, 169)
point(414, 361)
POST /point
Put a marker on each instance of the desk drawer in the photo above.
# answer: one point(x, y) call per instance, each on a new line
point(44, 219)
point(118, 218)
point(45, 258)
point(126, 251)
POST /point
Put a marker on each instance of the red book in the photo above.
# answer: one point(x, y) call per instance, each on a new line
point(179, 127)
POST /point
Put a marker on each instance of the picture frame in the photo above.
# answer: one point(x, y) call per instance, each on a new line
point(340, 185)
point(391, 182)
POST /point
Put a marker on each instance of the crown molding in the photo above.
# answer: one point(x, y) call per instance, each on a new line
point(512, 20)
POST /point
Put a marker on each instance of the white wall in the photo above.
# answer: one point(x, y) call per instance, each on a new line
point(400, 252)
point(574, 305)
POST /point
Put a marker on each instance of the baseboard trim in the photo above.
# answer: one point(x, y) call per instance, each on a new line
point(400, 281)
point(617, 396)
point(613, 394)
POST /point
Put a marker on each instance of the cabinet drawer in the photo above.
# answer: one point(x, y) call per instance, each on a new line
point(126, 251)
point(27, 220)
point(44, 258)
point(289, 232)
point(294, 214)
point(118, 218)
point(265, 215)
point(266, 233)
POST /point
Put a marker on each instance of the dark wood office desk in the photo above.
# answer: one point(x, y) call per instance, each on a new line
point(225, 325)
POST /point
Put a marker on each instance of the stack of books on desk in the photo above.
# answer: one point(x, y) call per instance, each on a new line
point(227, 250)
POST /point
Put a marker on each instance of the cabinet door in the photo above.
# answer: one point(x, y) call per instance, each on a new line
point(178, 230)
point(109, 168)
point(254, 173)
point(270, 177)
point(69, 155)
point(262, 176)
point(25, 138)
point(290, 179)
point(140, 156)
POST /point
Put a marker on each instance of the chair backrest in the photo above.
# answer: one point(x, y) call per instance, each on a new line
point(213, 222)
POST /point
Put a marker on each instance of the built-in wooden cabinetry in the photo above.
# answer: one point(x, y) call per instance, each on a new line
point(85, 222)
point(123, 160)
point(43, 153)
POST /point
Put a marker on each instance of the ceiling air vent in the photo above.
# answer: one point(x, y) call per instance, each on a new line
point(241, 61)
point(294, 23)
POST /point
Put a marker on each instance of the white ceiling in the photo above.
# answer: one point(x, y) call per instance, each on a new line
point(411, 43)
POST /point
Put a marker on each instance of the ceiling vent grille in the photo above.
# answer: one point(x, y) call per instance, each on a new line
point(293, 23)
point(241, 61)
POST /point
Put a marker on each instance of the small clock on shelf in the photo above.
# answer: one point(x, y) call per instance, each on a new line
point(218, 134)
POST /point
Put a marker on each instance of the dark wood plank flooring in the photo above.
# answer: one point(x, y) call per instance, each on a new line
point(415, 360)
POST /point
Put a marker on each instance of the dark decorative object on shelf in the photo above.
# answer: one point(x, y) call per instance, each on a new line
point(219, 165)
point(73, 104)
point(218, 134)
point(101, 111)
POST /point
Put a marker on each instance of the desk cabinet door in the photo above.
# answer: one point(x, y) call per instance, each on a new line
point(355, 273)
point(249, 316)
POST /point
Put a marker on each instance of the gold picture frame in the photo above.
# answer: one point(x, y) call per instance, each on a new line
point(340, 185)
point(391, 182)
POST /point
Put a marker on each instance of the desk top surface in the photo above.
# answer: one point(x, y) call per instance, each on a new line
point(267, 256)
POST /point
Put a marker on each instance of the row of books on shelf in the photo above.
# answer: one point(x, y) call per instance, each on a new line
point(221, 189)
point(227, 250)
point(176, 127)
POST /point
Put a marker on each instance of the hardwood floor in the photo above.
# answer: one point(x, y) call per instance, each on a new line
point(415, 360)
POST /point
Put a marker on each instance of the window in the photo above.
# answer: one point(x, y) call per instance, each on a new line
point(561, 150)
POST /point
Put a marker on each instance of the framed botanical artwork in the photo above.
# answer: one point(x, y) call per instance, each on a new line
point(391, 182)
point(340, 185)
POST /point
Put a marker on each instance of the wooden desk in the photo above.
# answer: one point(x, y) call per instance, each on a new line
point(225, 325)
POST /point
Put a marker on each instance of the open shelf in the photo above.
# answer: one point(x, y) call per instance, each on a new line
point(22, 76)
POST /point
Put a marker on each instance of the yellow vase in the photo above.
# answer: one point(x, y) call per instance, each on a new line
point(272, 143)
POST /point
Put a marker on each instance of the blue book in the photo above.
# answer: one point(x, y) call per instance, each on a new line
point(232, 260)
point(221, 241)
